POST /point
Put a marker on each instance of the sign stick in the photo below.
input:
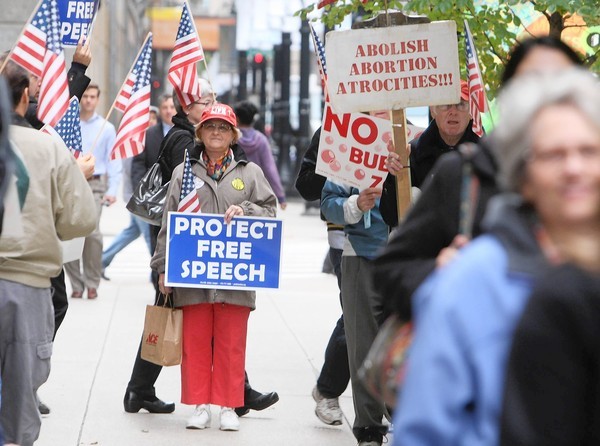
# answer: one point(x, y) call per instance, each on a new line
point(112, 107)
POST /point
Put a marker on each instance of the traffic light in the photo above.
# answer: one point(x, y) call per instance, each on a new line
point(259, 58)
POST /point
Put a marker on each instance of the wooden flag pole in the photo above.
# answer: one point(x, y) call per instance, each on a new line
point(112, 107)
point(204, 56)
point(20, 35)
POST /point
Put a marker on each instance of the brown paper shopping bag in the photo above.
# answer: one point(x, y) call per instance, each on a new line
point(161, 343)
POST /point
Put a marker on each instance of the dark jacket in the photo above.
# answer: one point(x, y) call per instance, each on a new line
point(425, 151)
point(143, 161)
point(552, 393)
point(430, 226)
point(310, 184)
point(78, 83)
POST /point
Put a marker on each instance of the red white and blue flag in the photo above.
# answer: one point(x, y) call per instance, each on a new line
point(125, 93)
point(131, 135)
point(477, 97)
point(68, 128)
point(320, 52)
point(40, 52)
point(188, 198)
point(187, 52)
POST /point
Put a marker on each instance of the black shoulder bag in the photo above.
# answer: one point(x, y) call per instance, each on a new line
point(148, 199)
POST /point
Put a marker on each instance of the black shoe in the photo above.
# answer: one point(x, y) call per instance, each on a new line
point(133, 403)
point(103, 275)
point(44, 410)
point(259, 401)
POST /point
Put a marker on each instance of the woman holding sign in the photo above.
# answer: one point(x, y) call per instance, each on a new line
point(214, 320)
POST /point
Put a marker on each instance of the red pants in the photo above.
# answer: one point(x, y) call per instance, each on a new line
point(214, 354)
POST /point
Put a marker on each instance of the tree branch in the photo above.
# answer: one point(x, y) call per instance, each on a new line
point(542, 12)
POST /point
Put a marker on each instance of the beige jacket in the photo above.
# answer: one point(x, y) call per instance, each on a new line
point(256, 199)
point(59, 206)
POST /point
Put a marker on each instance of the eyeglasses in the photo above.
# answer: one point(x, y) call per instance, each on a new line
point(204, 103)
point(462, 106)
point(221, 128)
point(558, 156)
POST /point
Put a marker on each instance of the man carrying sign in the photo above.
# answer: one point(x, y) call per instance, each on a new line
point(451, 127)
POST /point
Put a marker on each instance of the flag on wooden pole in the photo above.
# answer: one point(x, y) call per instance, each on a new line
point(68, 128)
point(188, 198)
point(40, 52)
point(182, 73)
point(131, 135)
point(320, 52)
point(477, 97)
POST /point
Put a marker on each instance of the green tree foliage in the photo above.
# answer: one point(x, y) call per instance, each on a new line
point(496, 25)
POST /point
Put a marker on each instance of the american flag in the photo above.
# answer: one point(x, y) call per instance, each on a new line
point(125, 93)
point(187, 52)
point(188, 199)
point(69, 128)
point(40, 52)
point(477, 98)
point(136, 117)
point(320, 52)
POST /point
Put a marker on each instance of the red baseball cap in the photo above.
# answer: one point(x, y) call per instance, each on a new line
point(464, 90)
point(219, 111)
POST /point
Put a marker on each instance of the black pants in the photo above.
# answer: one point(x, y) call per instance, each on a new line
point(335, 374)
point(59, 299)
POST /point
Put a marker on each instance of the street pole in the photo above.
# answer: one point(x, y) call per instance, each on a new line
point(285, 170)
point(242, 93)
point(304, 103)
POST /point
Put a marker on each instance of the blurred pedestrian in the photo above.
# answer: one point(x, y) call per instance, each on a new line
point(215, 321)
point(57, 205)
point(153, 115)
point(546, 146)
point(257, 148)
point(98, 137)
point(137, 226)
point(335, 373)
point(431, 232)
point(552, 395)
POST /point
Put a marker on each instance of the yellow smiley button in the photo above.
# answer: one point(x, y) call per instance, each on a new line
point(238, 184)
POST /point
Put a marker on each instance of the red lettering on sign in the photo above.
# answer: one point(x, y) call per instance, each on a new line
point(152, 339)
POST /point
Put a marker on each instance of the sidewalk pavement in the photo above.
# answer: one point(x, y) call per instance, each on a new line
point(287, 335)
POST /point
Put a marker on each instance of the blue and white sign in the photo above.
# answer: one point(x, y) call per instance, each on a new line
point(204, 252)
point(76, 18)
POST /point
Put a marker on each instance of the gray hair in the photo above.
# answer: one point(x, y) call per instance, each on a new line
point(206, 90)
point(520, 102)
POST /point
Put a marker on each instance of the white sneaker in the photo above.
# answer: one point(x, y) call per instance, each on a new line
point(229, 420)
point(328, 409)
point(201, 417)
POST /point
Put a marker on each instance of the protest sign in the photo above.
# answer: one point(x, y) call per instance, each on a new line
point(204, 252)
point(353, 148)
point(76, 17)
point(393, 67)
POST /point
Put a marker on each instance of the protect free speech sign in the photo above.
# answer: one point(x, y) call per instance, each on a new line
point(204, 252)
point(76, 17)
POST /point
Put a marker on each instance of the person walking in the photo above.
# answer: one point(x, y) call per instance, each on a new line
point(56, 205)
point(257, 148)
point(137, 226)
point(85, 273)
point(547, 147)
point(215, 321)
point(335, 373)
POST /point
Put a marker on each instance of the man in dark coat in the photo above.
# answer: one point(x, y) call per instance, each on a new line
point(451, 126)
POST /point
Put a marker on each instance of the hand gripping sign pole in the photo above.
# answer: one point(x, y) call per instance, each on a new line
point(398, 117)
